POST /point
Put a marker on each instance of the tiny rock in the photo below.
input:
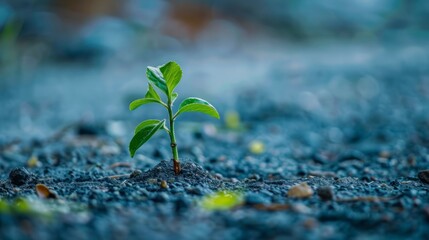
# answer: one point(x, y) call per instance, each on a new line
point(135, 173)
point(302, 190)
point(325, 193)
point(424, 176)
point(164, 184)
point(19, 176)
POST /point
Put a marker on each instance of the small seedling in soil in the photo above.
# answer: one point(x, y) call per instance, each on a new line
point(165, 78)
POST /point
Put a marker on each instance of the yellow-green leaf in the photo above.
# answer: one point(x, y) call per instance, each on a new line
point(222, 200)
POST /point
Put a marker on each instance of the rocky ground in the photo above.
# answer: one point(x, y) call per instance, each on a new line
point(344, 158)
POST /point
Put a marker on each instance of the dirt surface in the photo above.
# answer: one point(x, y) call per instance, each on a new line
point(356, 133)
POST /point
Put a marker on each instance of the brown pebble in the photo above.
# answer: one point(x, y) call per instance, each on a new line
point(44, 192)
point(302, 190)
point(164, 184)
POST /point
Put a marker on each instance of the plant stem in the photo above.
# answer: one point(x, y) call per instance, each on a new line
point(176, 162)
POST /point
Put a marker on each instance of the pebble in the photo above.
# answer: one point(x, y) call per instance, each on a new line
point(164, 184)
point(135, 173)
point(254, 177)
point(302, 190)
point(19, 176)
point(326, 193)
point(424, 176)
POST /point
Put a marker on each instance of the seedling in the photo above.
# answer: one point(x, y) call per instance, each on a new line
point(165, 78)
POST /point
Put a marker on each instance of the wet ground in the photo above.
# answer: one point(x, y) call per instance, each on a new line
point(350, 121)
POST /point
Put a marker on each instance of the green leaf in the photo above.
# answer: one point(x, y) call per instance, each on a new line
point(156, 78)
point(223, 200)
point(172, 73)
point(145, 124)
point(194, 104)
point(138, 102)
point(142, 136)
point(151, 93)
point(174, 97)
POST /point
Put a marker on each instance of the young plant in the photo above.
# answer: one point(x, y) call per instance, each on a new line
point(165, 78)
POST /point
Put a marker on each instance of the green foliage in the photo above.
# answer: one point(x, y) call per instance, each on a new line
point(172, 75)
point(194, 104)
point(143, 135)
point(138, 102)
point(222, 200)
point(165, 78)
point(145, 124)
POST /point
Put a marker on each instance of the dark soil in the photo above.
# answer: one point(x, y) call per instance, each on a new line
point(364, 156)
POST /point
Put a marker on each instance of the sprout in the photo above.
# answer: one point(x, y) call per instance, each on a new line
point(165, 78)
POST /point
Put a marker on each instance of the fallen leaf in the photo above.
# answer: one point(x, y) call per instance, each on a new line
point(222, 200)
point(256, 147)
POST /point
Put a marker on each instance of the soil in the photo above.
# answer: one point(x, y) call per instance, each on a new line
point(364, 156)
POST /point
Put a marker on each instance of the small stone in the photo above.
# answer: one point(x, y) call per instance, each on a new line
point(164, 184)
point(218, 176)
point(19, 176)
point(254, 177)
point(302, 190)
point(234, 180)
point(424, 176)
point(135, 173)
point(152, 180)
point(326, 193)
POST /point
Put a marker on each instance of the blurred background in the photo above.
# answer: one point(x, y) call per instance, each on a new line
point(63, 61)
